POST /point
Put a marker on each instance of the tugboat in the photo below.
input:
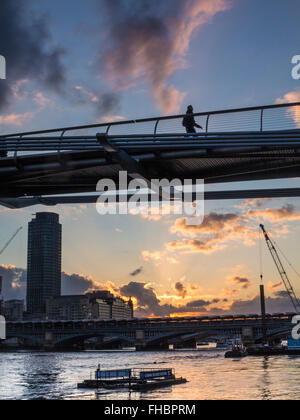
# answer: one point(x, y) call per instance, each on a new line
point(238, 351)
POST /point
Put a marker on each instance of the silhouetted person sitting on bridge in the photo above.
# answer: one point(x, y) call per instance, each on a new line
point(189, 121)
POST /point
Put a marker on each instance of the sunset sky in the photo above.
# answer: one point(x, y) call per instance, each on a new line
point(73, 62)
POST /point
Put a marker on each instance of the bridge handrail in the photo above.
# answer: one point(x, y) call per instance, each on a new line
point(156, 120)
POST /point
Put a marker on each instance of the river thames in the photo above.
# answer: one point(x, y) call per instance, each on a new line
point(38, 375)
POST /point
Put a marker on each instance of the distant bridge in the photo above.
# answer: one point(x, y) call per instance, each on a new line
point(245, 144)
point(146, 332)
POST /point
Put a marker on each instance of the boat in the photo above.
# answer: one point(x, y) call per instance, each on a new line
point(132, 379)
point(290, 347)
point(238, 351)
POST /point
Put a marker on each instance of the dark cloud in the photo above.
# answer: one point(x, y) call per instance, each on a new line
point(180, 289)
point(109, 103)
point(196, 304)
point(252, 306)
point(136, 272)
point(242, 281)
point(14, 287)
point(24, 42)
point(104, 103)
point(149, 304)
point(148, 39)
point(14, 283)
point(76, 284)
point(140, 36)
point(145, 296)
point(282, 294)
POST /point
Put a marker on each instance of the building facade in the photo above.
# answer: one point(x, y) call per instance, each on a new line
point(100, 309)
point(120, 309)
point(68, 308)
point(43, 261)
point(13, 310)
point(97, 305)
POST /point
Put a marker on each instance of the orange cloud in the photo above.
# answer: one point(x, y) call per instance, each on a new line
point(213, 223)
point(16, 119)
point(230, 292)
point(218, 230)
point(19, 119)
point(272, 286)
point(286, 213)
point(195, 246)
point(110, 118)
point(259, 202)
point(215, 231)
point(292, 112)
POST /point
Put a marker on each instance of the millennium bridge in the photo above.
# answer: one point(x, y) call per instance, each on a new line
point(63, 166)
point(149, 332)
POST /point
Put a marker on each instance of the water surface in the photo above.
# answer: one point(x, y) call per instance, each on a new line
point(39, 375)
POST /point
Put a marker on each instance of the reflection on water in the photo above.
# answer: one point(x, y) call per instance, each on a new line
point(27, 375)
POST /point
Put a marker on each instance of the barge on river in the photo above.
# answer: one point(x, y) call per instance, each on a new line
point(132, 379)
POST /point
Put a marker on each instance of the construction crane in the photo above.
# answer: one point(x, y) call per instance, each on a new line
point(289, 288)
point(10, 240)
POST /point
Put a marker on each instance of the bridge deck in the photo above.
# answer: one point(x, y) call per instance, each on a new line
point(236, 145)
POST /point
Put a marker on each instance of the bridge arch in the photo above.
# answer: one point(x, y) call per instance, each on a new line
point(39, 340)
point(81, 337)
point(173, 335)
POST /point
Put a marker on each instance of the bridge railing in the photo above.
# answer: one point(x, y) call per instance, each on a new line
point(243, 123)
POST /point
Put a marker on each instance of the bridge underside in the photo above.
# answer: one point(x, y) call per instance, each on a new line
point(79, 172)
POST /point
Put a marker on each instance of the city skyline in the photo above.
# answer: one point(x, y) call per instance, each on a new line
point(218, 59)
